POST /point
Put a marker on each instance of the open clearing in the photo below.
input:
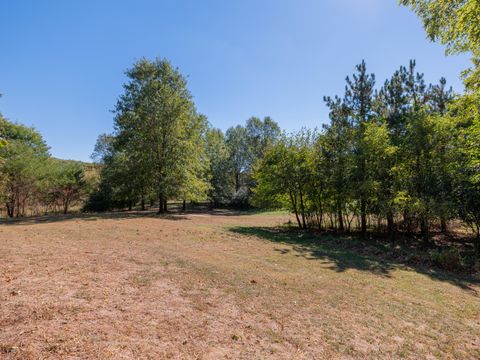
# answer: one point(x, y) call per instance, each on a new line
point(215, 286)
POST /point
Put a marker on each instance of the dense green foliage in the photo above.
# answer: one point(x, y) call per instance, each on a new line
point(162, 149)
point(31, 181)
point(455, 24)
point(404, 157)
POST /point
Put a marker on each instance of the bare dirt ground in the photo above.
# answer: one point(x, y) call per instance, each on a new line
point(204, 286)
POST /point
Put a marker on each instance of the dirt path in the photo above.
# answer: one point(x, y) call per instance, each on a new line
point(194, 287)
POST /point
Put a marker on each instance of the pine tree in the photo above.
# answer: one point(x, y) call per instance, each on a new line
point(359, 101)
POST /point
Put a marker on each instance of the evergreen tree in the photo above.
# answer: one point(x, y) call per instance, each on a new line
point(359, 101)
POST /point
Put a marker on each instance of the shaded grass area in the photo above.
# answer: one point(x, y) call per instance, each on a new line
point(350, 252)
point(174, 213)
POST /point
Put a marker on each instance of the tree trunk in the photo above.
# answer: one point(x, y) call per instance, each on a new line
point(390, 224)
point(165, 209)
point(332, 225)
point(142, 203)
point(65, 207)
point(443, 225)
point(320, 219)
point(363, 206)
point(10, 210)
point(406, 222)
point(477, 242)
point(184, 205)
point(341, 225)
point(424, 228)
point(161, 204)
point(302, 209)
point(294, 206)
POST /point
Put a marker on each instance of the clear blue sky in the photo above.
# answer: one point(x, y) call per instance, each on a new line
point(62, 62)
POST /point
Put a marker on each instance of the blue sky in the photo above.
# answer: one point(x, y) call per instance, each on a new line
point(62, 62)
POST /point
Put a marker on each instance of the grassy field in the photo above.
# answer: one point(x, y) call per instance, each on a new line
point(218, 286)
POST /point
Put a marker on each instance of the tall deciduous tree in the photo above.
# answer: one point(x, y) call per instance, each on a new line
point(157, 125)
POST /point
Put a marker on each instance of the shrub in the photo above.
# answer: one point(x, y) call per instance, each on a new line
point(449, 259)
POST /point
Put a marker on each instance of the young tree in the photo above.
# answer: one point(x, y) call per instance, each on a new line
point(381, 156)
point(120, 184)
point(283, 175)
point(68, 182)
point(335, 158)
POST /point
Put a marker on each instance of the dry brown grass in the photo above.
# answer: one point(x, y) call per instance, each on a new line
point(120, 287)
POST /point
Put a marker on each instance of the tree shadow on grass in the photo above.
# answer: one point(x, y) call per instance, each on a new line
point(174, 213)
point(348, 252)
point(118, 215)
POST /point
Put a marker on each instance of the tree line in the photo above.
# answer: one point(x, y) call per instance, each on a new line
point(402, 157)
point(162, 149)
point(394, 158)
point(31, 181)
point(397, 158)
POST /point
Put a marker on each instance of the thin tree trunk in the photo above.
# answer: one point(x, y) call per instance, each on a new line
point(477, 242)
point(332, 226)
point(10, 210)
point(390, 224)
point(184, 205)
point(443, 225)
point(363, 207)
point(294, 206)
point(320, 218)
point(161, 209)
point(424, 228)
point(341, 225)
point(302, 208)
